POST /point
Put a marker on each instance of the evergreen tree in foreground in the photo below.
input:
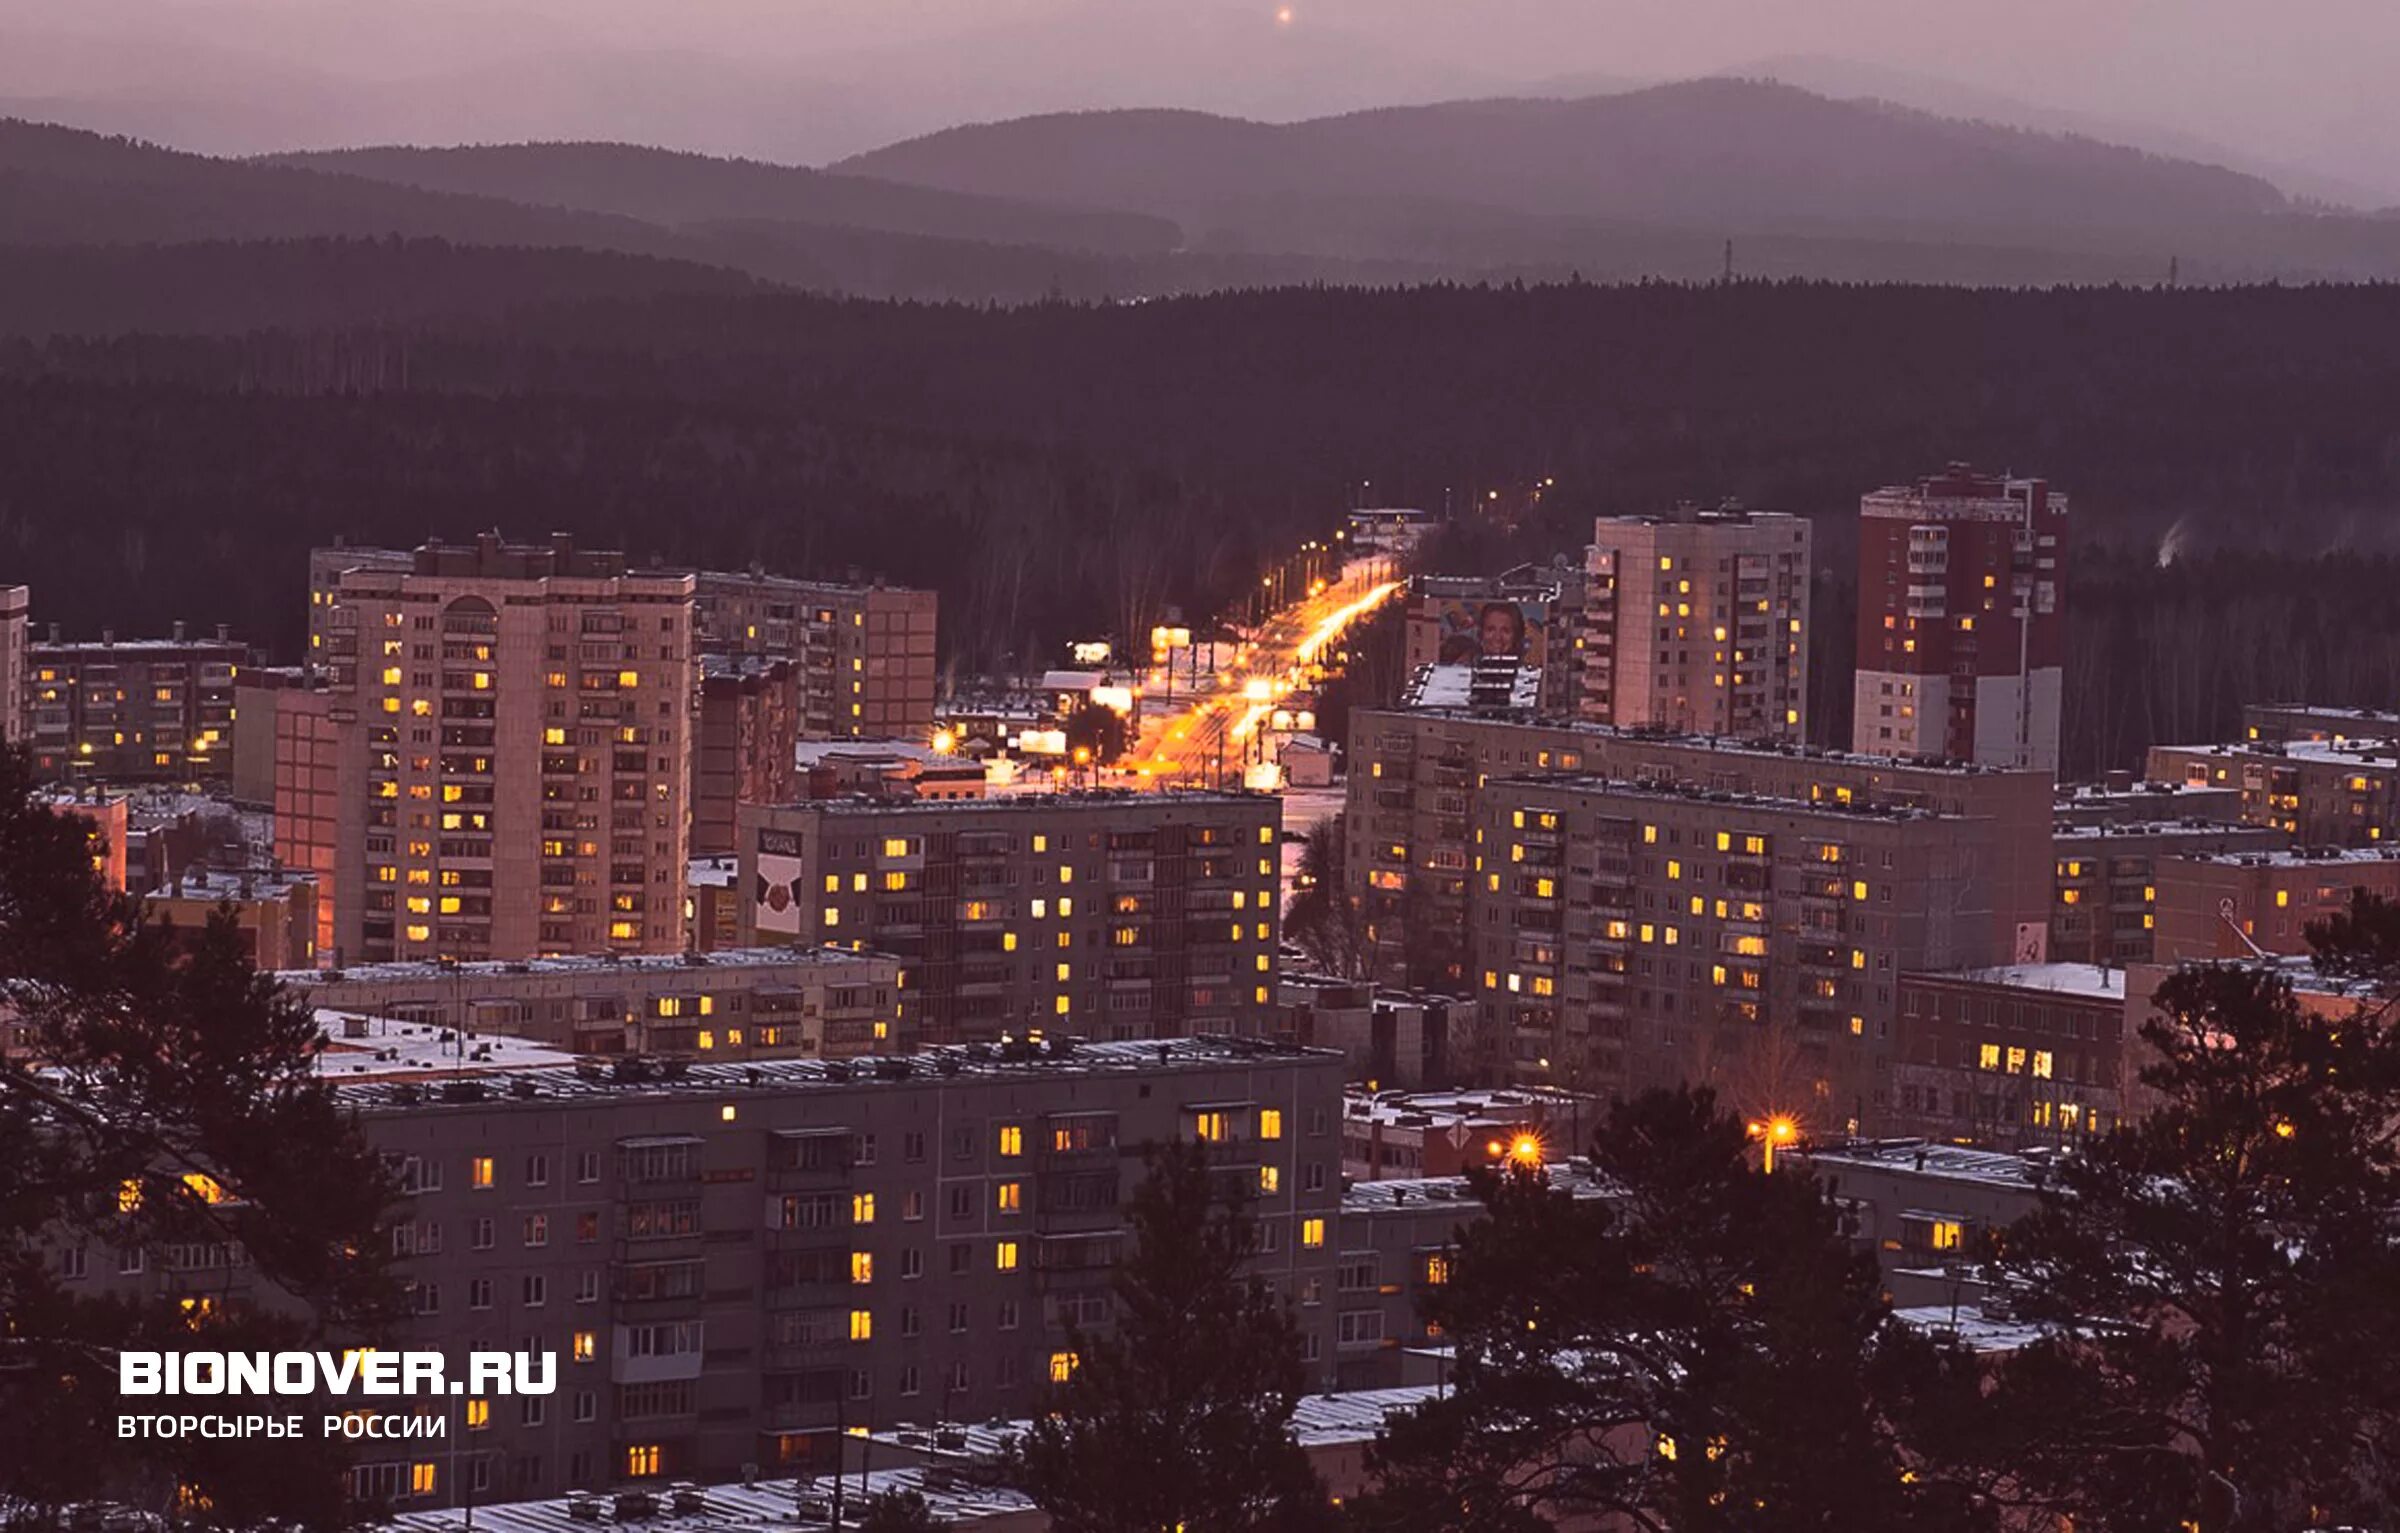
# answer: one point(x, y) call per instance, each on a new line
point(171, 1109)
point(2224, 1274)
point(1179, 1421)
point(1693, 1351)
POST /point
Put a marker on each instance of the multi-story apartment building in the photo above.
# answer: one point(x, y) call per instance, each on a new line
point(2238, 904)
point(1698, 623)
point(744, 751)
point(731, 1004)
point(287, 716)
point(2319, 792)
point(863, 654)
point(2304, 721)
point(133, 711)
point(1146, 915)
point(2014, 1056)
point(16, 630)
point(2104, 903)
point(1960, 625)
point(735, 1263)
point(1626, 935)
point(515, 754)
point(1414, 776)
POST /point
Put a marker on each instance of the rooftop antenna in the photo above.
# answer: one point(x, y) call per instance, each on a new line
point(2225, 914)
point(1728, 278)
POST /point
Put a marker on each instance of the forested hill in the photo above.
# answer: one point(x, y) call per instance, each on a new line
point(1059, 469)
point(678, 190)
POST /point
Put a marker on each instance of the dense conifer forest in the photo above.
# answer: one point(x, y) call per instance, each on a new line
point(1062, 468)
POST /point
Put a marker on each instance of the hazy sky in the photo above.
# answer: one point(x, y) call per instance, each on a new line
point(2307, 82)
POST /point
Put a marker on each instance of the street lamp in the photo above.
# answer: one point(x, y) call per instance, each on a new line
point(1780, 1129)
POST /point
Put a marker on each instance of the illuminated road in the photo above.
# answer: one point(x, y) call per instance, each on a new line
point(1190, 743)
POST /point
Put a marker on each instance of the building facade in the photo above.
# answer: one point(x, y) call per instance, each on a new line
point(2304, 721)
point(515, 754)
point(2318, 792)
point(731, 1004)
point(1147, 915)
point(2237, 904)
point(2104, 907)
point(1414, 779)
point(1698, 623)
point(734, 1265)
point(2014, 1056)
point(141, 710)
point(16, 634)
point(1627, 935)
point(745, 745)
point(863, 655)
point(1960, 624)
point(274, 911)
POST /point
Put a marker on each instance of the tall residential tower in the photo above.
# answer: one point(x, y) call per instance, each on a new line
point(1698, 623)
point(1960, 634)
point(514, 727)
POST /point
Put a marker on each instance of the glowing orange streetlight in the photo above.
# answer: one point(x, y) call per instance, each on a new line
point(1780, 1129)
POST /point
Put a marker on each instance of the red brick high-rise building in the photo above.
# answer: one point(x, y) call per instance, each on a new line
point(1960, 633)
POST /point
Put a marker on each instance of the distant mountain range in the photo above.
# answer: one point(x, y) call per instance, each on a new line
point(1731, 155)
point(1125, 204)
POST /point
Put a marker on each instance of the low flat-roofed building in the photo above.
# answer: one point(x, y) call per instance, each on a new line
point(732, 1004)
point(1415, 1134)
point(1924, 1207)
point(1397, 1239)
point(274, 911)
point(1393, 1038)
point(2012, 1056)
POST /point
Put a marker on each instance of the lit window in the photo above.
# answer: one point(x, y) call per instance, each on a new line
point(587, 1346)
point(1269, 1179)
point(862, 1266)
point(479, 1171)
point(1212, 1127)
point(479, 1415)
point(1063, 1366)
point(421, 1479)
point(1988, 1057)
point(862, 1325)
point(1948, 1235)
point(1012, 1139)
point(1312, 1234)
point(862, 1208)
point(1010, 1197)
point(1270, 1123)
point(641, 1460)
point(1004, 1256)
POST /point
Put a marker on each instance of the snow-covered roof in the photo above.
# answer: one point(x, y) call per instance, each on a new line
point(768, 1504)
